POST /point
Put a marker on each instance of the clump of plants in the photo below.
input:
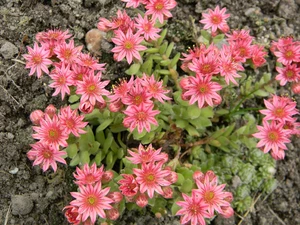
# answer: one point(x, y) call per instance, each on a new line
point(177, 129)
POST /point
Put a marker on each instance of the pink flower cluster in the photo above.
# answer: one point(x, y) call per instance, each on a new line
point(207, 199)
point(137, 97)
point(150, 178)
point(52, 131)
point(278, 126)
point(92, 199)
point(128, 33)
point(71, 68)
point(288, 52)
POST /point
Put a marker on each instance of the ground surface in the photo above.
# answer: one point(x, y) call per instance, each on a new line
point(28, 196)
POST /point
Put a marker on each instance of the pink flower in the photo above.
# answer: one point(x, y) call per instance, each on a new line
point(122, 22)
point(121, 90)
point(36, 116)
point(128, 186)
point(141, 116)
point(71, 121)
point(289, 73)
point(128, 45)
point(272, 136)
point(239, 35)
point(194, 209)
point(155, 88)
point(67, 52)
point(203, 90)
point(91, 201)
point(51, 132)
point(258, 55)
point(132, 3)
point(86, 60)
point(206, 65)
point(62, 78)
point(37, 60)
point(79, 72)
point(215, 19)
point(88, 175)
point(296, 87)
point(56, 35)
point(72, 214)
point(212, 194)
point(229, 68)
point(146, 27)
point(160, 9)
point(151, 178)
point(288, 54)
point(145, 155)
point(46, 155)
point(92, 89)
point(279, 109)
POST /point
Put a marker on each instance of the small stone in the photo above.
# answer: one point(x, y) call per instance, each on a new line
point(8, 50)
point(10, 136)
point(250, 11)
point(287, 9)
point(21, 205)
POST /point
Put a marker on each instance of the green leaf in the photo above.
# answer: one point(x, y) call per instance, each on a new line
point(218, 38)
point(169, 49)
point(109, 160)
point(147, 66)
point(164, 72)
point(100, 137)
point(72, 150)
point(103, 125)
point(107, 143)
point(165, 62)
point(162, 36)
point(73, 98)
point(204, 122)
point(163, 48)
point(94, 147)
point(186, 186)
point(175, 208)
point(192, 131)
point(261, 93)
point(152, 50)
point(221, 112)
point(193, 111)
point(84, 157)
point(175, 60)
point(99, 157)
point(134, 68)
point(75, 161)
point(215, 143)
point(205, 35)
point(207, 112)
point(181, 123)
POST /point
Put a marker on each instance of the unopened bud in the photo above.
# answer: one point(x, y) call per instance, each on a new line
point(296, 87)
point(185, 83)
point(168, 192)
point(86, 107)
point(173, 177)
point(142, 200)
point(115, 196)
point(198, 175)
point(100, 105)
point(115, 106)
point(50, 110)
point(112, 214)
point(107, 176)
point(36, 116)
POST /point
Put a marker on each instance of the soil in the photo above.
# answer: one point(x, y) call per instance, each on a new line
point(27, 195)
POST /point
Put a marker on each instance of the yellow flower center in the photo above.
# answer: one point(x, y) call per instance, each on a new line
point(91, 88)
point(47, 154)
point(150, 177)
point(147, 27)
point(53, 134)
point(67, 54)
point(279, 112)
point(289, 54)
point(216, 19)
point(203, 89)
point(128, 45)
point(206, 68)
point(289, 74)
point(37, 59)
point(91, 200)
point(159, 5)
point(273, 136)
point(70, 123)
point(208, 196)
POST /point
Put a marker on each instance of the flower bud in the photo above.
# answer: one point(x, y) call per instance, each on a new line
point(112, 214)
point(129, 198)
point(71, 214)
point(86, 107)
point(115, 106)
point(142, 200)
point(50, 110)
point(100, 105)
point(168, 192)
point(296, 87)
point(36, 116)
point(198, 175)
point(115, 196)
point(107, 176)
point(184, 83)
point(173, 177)
point(227, 211)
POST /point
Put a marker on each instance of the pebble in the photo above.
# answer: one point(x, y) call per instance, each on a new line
point(21, 205)
point(8, 50)
point(287, 9)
